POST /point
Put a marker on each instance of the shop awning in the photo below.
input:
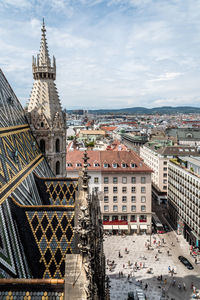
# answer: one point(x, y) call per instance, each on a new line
point(107, 227)
point(143, 226)
point(133, 226)
point(116, 227)
point(123, 227)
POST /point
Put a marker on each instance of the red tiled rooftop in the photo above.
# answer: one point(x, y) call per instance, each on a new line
point(108, 128)
point(110, 157)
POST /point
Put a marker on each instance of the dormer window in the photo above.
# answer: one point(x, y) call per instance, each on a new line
point(78, 164)
point(123, 165)
point(133, 165)
point(96, 164)
point(69, 165)
point(114, 165)
point(105, 165)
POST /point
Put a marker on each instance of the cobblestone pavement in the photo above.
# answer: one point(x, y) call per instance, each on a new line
point(136, 252)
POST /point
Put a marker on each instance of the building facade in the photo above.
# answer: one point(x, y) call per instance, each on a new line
point(45, 115)
point(123, 183)
point(184, 199)
point(159, 165)
point(157, 155)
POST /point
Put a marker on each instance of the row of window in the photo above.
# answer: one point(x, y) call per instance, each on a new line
point(124, 189)
point(124, 199)
point(124, 208)
point(124, 180)
point(123, 165)
point(133, 218)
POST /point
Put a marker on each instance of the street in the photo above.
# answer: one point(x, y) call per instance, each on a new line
point(146, 259)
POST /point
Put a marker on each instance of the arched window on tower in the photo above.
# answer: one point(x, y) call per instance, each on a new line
point(57, 168)
point(42, 124)
point(42, 146)
point(57, 145)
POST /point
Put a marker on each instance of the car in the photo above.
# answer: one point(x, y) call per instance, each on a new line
point(186, 262)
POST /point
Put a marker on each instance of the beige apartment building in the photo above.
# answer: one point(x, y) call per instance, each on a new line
point(157, 156)
point(123, 182)
point(159, 164)
point(184, 197)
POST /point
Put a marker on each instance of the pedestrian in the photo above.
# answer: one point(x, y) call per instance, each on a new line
point(195, 260)
point(163, 291)
point(194, 289)
point(165, 281)
point(191, 285)
point(123, 265)
point(119, 254)
point(184, 287)
point(169, 269)
point(122, 274)
point(161, 277)
point(119, 274)
point(168, 252)
point(179, 286)
point(140, 265)
point(143, 265)
point(146, 286)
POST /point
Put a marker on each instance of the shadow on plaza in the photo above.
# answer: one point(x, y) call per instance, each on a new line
point(168, 290)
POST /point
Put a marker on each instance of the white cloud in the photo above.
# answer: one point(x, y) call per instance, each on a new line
point(109, 53)
point(16, 3)
point(167, 76)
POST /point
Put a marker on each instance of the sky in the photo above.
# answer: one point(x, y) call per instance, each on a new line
point(109, 53)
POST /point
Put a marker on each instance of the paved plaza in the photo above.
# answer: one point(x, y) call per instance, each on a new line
point(138, 252)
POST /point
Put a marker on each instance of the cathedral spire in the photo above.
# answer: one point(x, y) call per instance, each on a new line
point(44, 59)
point(45, 112)
point(42, 67)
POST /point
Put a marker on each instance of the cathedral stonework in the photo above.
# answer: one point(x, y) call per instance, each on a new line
point(47, 120)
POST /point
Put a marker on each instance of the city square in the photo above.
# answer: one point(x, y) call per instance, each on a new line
point(155, 259)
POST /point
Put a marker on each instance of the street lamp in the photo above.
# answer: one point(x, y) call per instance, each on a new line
point(149, 226)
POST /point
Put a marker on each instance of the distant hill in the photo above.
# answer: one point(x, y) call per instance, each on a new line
point(150, 111)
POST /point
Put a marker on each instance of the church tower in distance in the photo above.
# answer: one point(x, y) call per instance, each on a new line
point(47, 120)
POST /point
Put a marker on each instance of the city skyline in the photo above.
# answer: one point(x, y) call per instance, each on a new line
point(109, 53)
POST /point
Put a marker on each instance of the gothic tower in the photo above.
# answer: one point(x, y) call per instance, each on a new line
point(47, 120)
